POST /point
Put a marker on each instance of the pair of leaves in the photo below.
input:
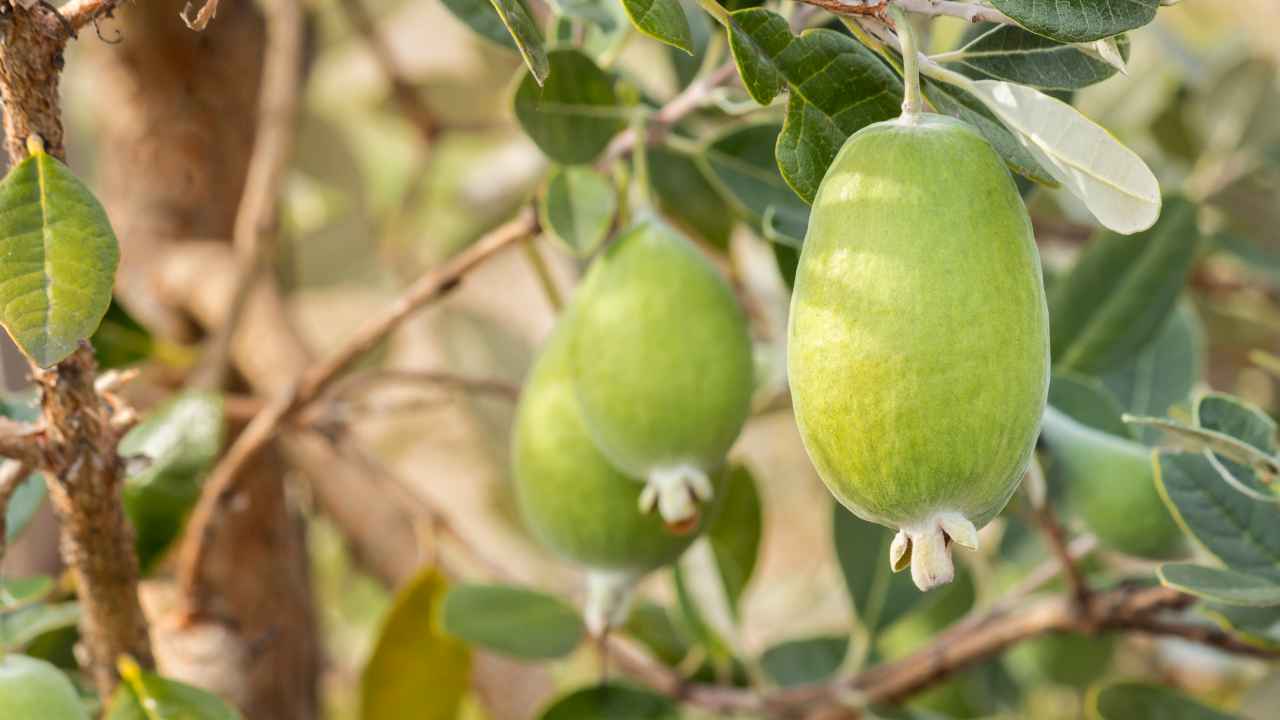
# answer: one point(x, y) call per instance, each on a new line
point(146, 696)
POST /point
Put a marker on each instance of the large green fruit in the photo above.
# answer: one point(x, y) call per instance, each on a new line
point(572, 498)
point(1111, 482)
point(919, 347)
point(32, 689)
point(662, 363)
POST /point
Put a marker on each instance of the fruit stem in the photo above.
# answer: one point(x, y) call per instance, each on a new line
point(608, 600)
point(912, 100)
point(640, 163)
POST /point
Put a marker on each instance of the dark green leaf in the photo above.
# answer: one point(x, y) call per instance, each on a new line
point(512, 621)
point(519, 22)
point(1229, 415)
point(879, 595)
point(1121, 292)
point(60, 259)
point(480, 16)
point(1007, 52)
point(735, 533)
point(652, 625)
point(1241, 532)
point(662, 20)
point(1087, 402)
point(416, 670)
point(1079, 20)
point(177, 444)
point(577, 208)
point(614, 701)
point(741, 164)
point(811, 660)
point(1137, 701)
point(147, 696)
point(757, 39)
point(1164, 373)
point(575, 114)
point(120, 340)
point(1221, 585)
point(687, 198)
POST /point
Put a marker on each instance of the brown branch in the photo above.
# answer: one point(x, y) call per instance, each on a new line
point(258, 216)
point(402, 89)
point(971, 12)
point(80, 13)
point(81, 427)
point(21, 441)
point(221, 486)
point(1056, 538)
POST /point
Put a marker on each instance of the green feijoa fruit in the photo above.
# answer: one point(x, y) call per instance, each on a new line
point(918, 345)
point(662, 365)
point(1111, 482)
point(574, 500)
point(32, 689)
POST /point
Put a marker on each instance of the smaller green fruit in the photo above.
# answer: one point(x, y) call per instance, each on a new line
point(574, 500)
point(1111, 481)
point(662, 365)
point(32, 689)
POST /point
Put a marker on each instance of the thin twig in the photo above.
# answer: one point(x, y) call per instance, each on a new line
point(221, 486)
point(972, 12)
point(258, 216)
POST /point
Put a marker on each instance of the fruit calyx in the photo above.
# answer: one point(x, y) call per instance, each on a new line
point(608, 600)
point(677, 492)
point(926, 547)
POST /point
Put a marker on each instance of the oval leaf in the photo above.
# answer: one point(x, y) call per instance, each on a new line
point(519, 22)
point(1221, 585)
point(147, 696)
point(26, 624)
point(1138, 701)
point(416, 671)
point(1121, 292)
point(1109, 178)
point(735, 534)
point(740, 163)
point(577, 208)
point(575, 114)
point(662, 20)
point(1079, 20)
point(60, 258)
point(614, 701)
point(687, 198)
point(512, 621)
point(811, 660)
point(480, 16)
point(1007, 52)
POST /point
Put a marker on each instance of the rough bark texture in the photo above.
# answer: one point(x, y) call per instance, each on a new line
point(177, 130)
point(29, 68)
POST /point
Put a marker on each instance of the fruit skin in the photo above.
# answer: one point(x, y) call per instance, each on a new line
point(32, 689)
point(918, 343)
point(662, 362)
point(1111, 482)
point(573, 499)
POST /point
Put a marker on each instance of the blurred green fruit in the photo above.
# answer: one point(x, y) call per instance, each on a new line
point(32, 689)
point(919, 343)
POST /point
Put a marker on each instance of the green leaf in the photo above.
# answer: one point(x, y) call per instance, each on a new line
point(577, 208)
point(741, 164)
point(1240, 532)
point(147, 696)
point(954, 101)
point(416, 669)
point(1121, 292)
point(20, 592)
point(574, 115)
point(1221, 444)
point(735, 533)
point(513, 621)
point(757, 39)
point(519, 22)
point(879, 595)
point(1087, 402)
point(1231, 416)
point(178, 442)
point(1221, 585)
point(614, 701)
point(21, 626)
point(30, 494)
point(480, 16)
point(701, 31)
point(1163, 373)
point(662, 20)
point(1258, 625)
point(687, 198)
point(810, 660)
point(60, 259)
point(653, 626)
point(1111, 180)
point(1007, 52)
point(1079, 20)
point(1138, 701)
point(121, 341)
